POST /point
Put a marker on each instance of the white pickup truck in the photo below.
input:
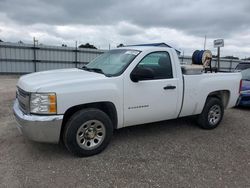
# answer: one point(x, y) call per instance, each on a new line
point(122, 87)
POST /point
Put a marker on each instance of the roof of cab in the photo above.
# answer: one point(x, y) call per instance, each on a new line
point(142, 48)
point(161, 44)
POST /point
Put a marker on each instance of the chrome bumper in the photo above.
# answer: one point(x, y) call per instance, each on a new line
point(38, 128)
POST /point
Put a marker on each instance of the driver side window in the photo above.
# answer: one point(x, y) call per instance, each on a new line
point(159, 63)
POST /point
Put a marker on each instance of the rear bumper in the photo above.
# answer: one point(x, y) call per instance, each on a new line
point(38, 128)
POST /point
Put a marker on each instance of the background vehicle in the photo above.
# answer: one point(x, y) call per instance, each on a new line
point(242, 66)
point(244, 98)
point(123, 87)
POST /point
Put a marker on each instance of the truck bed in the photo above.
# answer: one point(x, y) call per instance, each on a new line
point(198, 87)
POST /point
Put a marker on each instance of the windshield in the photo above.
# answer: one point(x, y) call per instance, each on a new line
point(246, 74)
point(113, 62)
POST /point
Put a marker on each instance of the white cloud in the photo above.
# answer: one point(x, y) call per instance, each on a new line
point(181, 25)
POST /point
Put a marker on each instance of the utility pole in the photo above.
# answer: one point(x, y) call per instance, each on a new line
point(34, 52)
point(76, 55)
point(183, 56)
point(205, 41)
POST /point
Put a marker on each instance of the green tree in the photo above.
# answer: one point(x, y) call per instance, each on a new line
point(87, 45)
point(231, 57)
point(247, 58)
point(120, 45)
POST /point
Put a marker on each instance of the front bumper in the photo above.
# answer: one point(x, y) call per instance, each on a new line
point(38, 128)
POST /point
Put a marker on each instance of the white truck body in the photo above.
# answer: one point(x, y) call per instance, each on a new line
point(135, 102)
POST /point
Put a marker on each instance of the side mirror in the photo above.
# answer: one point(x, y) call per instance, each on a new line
point(141, 74)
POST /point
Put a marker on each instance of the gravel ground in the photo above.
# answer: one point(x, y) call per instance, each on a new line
point(168, 154)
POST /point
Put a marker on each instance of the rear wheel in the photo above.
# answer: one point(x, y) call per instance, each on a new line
point(88, 132)
point(212, 114)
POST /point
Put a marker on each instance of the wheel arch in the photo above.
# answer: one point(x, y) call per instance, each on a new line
point(223, 95)
point(105, 106)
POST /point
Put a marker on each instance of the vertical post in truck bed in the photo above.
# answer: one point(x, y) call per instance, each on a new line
point(217, 44)
point(218, 58)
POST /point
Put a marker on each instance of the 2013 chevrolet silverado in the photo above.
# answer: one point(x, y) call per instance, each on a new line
point(122, 87)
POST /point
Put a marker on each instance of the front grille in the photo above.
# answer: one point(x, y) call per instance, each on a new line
point(23, 98)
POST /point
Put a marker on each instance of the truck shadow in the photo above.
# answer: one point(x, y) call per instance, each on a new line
point(129, 135)
point(168, 127)
point(245, 108)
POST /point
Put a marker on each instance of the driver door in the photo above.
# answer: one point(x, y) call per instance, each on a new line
point(153, 99)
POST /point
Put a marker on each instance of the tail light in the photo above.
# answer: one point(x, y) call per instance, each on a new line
point(240, 86)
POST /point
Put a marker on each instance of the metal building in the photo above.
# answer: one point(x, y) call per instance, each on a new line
point(26, 58)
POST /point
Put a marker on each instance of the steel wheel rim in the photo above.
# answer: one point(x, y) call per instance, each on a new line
point(214, 115)
point(91, 134)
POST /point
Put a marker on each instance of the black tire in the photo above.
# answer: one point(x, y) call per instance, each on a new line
point(209, 118)
point(74, 125)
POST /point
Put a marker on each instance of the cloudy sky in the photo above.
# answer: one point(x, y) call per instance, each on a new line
point(182, 24)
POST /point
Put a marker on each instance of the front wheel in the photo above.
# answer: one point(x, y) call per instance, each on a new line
point(212, 114)
point(88, 132)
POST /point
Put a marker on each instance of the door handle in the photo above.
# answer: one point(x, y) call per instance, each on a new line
point(169, 87)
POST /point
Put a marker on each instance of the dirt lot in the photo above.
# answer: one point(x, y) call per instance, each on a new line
point(167, 154)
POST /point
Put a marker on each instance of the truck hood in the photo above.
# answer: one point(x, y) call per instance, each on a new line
point(35, 81)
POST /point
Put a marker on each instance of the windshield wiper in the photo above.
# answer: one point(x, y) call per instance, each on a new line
point(93, 70)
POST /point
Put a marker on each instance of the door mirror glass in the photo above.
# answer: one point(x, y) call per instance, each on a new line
point(141, 73)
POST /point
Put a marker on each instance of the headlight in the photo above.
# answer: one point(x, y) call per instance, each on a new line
point(43, 103)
